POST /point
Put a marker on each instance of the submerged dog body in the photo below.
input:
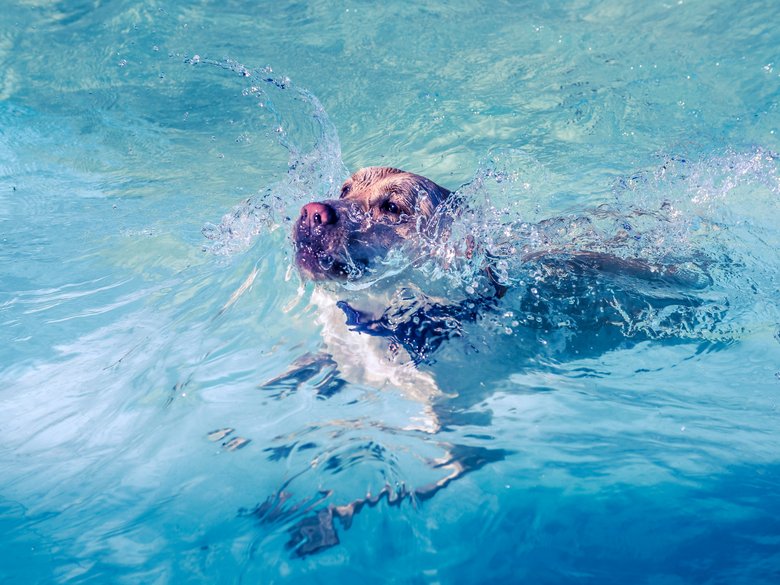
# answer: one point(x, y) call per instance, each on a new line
point(576, 299)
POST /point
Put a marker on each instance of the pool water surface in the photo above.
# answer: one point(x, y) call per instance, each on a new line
point(170, 409)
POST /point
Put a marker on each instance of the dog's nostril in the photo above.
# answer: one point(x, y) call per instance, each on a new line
point(317, 219)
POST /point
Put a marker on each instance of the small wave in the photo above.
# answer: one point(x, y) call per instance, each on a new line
point(302, 127)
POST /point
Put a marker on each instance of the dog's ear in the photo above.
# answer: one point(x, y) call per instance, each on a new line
point(435, 195)
point(439, 193)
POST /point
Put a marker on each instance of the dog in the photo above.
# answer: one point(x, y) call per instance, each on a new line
point(384, 210)
point(347, 242)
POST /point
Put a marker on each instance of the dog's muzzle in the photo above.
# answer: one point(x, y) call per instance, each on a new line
point(334, 240)
point(321, 235)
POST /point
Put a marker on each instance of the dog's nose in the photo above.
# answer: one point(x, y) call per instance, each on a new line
point(315, 214)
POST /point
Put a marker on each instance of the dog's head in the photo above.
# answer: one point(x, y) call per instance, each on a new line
point(379, 209)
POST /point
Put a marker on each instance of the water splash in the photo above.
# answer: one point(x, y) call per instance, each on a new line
point(315, 169)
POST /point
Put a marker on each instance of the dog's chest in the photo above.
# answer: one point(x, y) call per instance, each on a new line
point(367, 359)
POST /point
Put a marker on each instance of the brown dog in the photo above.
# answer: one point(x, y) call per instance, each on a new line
point(379, 208)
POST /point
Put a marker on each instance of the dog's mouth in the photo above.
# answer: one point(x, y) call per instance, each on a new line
point(349, 256)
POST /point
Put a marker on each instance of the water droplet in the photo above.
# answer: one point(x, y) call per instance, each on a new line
point(326, 261)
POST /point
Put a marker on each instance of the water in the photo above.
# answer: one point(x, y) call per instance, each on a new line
point(147, 297)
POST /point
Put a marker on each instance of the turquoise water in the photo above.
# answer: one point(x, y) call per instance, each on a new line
point(147, 293)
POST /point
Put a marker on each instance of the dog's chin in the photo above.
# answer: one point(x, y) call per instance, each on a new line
point(322, 266)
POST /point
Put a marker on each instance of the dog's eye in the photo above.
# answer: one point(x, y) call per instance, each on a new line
point(345, 190)
point(391, 208)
